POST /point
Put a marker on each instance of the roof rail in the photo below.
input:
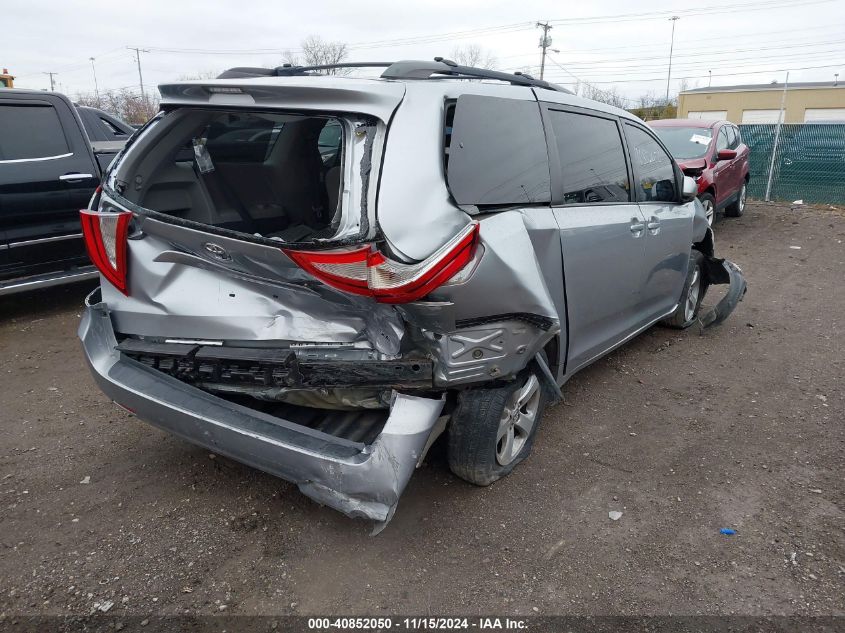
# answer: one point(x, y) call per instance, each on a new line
point(406, 69)
point(412, 69)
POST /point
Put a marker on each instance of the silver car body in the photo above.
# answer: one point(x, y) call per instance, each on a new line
point(561, 282)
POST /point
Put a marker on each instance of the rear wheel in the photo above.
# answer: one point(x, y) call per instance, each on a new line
point(709, 204)
point(694, 289)
point(736, 209)
point(492, 430)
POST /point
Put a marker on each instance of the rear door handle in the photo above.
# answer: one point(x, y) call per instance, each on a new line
point(637, 227)
point(653, 225)
point(75, 177)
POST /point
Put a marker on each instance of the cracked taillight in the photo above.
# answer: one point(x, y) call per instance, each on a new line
point(366, 271)
point(105, 237)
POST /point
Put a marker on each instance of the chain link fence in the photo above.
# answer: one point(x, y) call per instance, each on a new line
point(809, 165)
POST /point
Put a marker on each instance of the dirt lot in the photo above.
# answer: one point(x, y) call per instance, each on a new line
point(685, 434)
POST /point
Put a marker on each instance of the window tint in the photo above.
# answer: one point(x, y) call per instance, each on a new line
point(722, 141)
point(592, 159)
point(654, 169)
point(497, 152)
point(738, 136)
point(30, 131)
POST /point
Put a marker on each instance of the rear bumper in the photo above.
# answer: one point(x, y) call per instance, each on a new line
point(359, 480)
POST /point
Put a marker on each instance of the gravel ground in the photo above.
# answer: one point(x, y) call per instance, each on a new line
point(684, 434)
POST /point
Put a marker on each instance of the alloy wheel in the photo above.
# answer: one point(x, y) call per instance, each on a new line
point(518, 418)
point(692, 296)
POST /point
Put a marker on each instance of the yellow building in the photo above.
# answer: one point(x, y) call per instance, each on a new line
point(6, 80)
point(805, 101)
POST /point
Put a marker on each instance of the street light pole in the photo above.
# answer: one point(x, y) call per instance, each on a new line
point(96, 88)
point(673, 19)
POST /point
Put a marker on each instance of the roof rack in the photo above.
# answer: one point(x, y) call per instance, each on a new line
point(407, 69)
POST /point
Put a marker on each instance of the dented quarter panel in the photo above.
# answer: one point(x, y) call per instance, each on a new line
point(413, 182)
point(520, 271)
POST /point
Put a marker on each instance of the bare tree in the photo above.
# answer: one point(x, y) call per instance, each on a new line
point(650, 107)
point(124, 104)
point(473, 55)
point(204, 74)
point(318, 52)
point(610, 96)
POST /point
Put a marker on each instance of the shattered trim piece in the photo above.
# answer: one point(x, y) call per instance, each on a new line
point(537, 320)
point(720, 272)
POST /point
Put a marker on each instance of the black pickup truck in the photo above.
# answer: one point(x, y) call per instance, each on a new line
point(49, 168)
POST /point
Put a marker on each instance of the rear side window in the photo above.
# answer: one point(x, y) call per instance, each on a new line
point(654, 169)
point(497, 152)
point(592, 159)
point(111, 128)
point(30, 132)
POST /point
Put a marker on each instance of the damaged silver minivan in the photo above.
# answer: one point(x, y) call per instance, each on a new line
point(319, 275)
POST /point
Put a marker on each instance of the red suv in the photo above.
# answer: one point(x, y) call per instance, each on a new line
point(713, 153)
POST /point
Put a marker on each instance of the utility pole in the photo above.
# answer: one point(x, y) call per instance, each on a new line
point(545, 42)
point(52, 84)
point(673, 19)
point(709, 78)
point(138, 52)
point(96, 88)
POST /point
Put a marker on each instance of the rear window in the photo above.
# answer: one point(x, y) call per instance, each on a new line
point(267, 174)
point(31, 132)
point(685, 142)
point(496, 152)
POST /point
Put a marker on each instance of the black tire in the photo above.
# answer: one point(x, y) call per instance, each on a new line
point(737, 208)
point(706, 199)
point(474, 448)
point(680, 319)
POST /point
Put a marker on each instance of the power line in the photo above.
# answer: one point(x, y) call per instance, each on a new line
point(694, 11)
point(744, 72)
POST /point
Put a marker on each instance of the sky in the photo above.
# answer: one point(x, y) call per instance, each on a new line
point(622, 46)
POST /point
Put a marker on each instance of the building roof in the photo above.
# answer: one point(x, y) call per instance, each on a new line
point(798, 85)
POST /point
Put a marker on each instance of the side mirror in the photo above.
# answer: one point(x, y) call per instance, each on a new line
point(726, 154)
point(690, 189)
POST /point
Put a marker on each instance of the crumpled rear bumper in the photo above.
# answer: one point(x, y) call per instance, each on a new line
point(359, 480)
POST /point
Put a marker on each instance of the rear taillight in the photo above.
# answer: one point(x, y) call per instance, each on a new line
point(366, 271)
point(105, 239)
